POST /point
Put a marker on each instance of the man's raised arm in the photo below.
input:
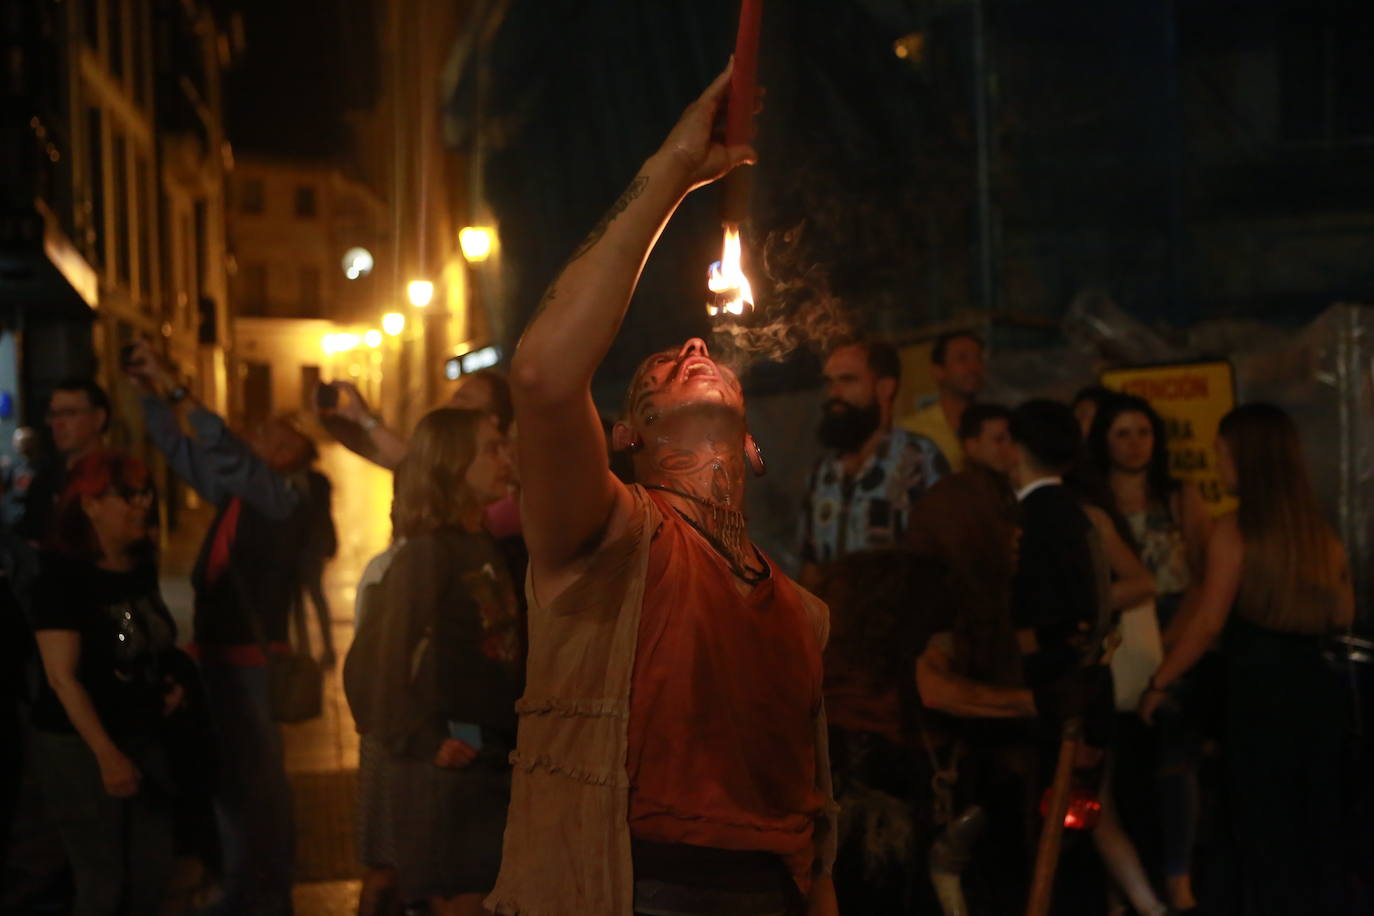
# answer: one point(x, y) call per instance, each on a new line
point(569, 496)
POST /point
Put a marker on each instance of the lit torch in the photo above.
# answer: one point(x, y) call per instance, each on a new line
point(732, 294)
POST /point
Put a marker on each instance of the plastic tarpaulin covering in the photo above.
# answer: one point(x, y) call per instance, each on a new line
point(1322, 374)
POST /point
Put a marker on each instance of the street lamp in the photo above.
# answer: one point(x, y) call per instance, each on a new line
point(477, 243)
point(357, 262)
point(420, 292)
point(393, 323)
point(339, 343)
point(373, 338)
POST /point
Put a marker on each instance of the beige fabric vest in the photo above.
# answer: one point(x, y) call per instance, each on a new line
point(567, 843)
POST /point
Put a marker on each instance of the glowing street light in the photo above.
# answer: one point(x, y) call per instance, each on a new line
point(339, 343)
point(476, 242)
point(357, 262)
point(393, 323)
point(373, 338)
point(420, 293)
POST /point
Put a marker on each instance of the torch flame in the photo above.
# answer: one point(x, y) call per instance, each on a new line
point(726, 279)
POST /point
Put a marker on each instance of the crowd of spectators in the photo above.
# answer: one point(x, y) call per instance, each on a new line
point(588, 692)
point(972, 585)
point(1065, 526)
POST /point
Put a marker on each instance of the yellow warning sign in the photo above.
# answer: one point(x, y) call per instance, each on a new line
point(1191, 398)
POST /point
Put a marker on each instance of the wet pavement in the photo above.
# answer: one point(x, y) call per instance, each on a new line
point(321, 755)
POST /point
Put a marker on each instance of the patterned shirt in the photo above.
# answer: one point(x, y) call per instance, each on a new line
point(1163, 548)
point(870, 509)
point(930, 421)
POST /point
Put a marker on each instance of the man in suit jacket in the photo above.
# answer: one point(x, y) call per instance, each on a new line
point(1055, 592)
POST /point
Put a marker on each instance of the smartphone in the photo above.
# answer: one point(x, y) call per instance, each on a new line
point(326, 396)
point(466, 732)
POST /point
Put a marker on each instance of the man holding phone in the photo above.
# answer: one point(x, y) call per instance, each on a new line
point(244, 581)
point(486, 390)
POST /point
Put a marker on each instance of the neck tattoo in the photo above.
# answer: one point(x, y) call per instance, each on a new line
point(723, 527)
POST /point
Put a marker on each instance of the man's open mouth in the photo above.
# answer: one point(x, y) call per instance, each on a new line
point(698, 368)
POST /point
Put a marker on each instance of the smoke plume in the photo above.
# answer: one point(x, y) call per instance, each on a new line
point(795, 306)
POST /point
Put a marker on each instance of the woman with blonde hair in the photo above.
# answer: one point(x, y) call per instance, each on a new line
point(437, 664)
point(1277, 582)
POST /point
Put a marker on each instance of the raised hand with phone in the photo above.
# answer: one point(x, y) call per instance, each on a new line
point(346, 414)
point(148, 370)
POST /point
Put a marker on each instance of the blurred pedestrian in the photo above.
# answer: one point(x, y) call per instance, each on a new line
point(487, 390)
point(245, 580)
point(1170, 526)
point(379, 894)
point(860, 493)
point(78, 416)
point(1024, 586)
point(437, 664)
point(956, 364)
point(1168, 518)
point(966, 512)
point(320, 545)
point(1074, 574)
point(1277, 583)
point(113, 676)
point(17, 473)
point(884, 605)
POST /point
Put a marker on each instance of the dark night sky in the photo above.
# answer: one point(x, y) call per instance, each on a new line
point(1097, 173)
point(1121, 142)
point(304, 64)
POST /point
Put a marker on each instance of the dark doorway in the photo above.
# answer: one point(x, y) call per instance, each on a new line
point(257, 392)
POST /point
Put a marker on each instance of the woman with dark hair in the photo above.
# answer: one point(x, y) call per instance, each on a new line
point(436, 667)
point(1169, 524)
point(1168, 519)
point(113, 674)
point(1276, 584)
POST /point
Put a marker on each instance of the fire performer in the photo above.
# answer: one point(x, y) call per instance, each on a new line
point(672, 754)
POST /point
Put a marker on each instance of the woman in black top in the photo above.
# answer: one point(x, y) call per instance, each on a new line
point(437, 666)
point(107, 643)
point(1277, 584)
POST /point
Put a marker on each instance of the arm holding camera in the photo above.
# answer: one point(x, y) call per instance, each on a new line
point(343, 400)
point(159, 388)
point(215, 463)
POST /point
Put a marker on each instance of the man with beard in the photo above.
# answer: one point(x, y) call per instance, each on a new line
point(860, 495)
point(956, 364)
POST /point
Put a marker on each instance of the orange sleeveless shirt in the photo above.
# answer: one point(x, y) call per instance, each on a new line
point(723, 699)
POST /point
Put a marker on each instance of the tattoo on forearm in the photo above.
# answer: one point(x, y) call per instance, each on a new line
point(635, 189)
point(622, 202)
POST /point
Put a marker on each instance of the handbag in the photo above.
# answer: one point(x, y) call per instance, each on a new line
point(295, 680)
point(295, 687)
point(1137, 657)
